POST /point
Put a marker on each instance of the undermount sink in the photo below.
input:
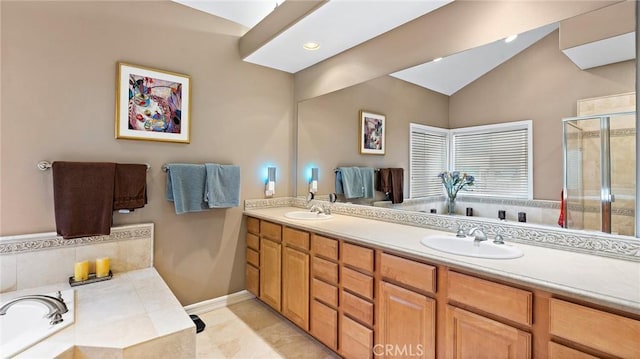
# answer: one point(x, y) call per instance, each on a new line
point(307, 215)
point(468, 247)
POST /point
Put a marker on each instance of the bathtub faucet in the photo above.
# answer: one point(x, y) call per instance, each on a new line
point(56, 306)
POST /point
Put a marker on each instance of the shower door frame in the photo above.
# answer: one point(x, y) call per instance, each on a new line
point(606, 198)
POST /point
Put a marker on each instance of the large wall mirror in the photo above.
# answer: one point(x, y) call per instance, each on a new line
point(539, 82)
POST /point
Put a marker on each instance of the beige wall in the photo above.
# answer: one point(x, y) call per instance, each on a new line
point(543, 85)
point(58, 85)
point(328, 127)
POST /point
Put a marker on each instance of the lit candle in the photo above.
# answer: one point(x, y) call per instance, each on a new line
point(102, 267)
point(81, 271)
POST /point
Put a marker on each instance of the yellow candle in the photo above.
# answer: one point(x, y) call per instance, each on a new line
point(81, 271)
point(102, 267)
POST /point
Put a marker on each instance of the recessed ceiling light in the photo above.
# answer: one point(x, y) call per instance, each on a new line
point(510, 38)
point(437, 59)
point(311, 46)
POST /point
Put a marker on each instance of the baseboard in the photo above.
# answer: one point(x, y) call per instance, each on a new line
point(217, 303)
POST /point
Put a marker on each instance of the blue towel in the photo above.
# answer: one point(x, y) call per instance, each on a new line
point(222, 188)
point(367, 174)
point(355, 182)
point(185, 187)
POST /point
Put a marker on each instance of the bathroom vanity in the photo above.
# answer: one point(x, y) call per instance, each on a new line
point(368, 288)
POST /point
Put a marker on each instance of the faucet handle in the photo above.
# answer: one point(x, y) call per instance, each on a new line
point(460, 233)
point(499, 239)
point(60, 297)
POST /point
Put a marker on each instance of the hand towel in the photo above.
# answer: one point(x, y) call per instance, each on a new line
point(222, 188)
point(185, 187)
point(130, 187)
point(83, 198)
point(368, 175)
point(391, 181)
point(351, 182)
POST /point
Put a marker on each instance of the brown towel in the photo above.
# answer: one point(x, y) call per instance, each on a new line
point(83, 198)
point(391, 181)
point(130, 188)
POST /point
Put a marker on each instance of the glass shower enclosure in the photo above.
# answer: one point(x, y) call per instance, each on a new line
point(599, 158)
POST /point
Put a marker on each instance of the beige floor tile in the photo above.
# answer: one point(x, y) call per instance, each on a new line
point(252, 330)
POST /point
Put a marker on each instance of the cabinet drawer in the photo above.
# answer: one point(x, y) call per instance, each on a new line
point(325, 292)
point(415, 274)
point(557, 351)
point(252, 280)
point(324, 247)
point(609, 333)
point(271, 230)
point(357, 257)
point(357, 282)
point(253, 241)
point(296, 238)
point(504, 301)
point(253, 257)
point(323, 269)
point(253, 225)
point(356, 341)
point(357, 308)
point(324, 324)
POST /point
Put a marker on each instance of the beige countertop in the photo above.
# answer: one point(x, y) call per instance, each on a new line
point(611, 282)
point(118, 317)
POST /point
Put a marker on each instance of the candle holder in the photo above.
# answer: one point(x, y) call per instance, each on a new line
point(92, 279)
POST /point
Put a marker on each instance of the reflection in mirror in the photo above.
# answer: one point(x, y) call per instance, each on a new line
point(538, 83)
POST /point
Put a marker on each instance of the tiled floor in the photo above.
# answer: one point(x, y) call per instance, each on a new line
point(251, 330)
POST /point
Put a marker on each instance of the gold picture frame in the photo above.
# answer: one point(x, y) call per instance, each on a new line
point(372, 133)
point(152, 105)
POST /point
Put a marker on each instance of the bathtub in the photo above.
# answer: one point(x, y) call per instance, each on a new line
point(25, 324)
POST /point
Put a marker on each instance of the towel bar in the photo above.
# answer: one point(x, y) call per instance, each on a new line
point(45, 165)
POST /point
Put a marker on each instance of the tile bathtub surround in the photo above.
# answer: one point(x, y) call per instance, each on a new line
point(35, 260)
point(594, 243)
point(133, 315)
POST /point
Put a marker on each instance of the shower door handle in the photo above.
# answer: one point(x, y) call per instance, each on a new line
point(612, 197)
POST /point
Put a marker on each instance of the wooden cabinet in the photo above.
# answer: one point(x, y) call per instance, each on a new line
point(356, 340)
point(270, 282)
point(406, 323)
point(474, 332)
point(356, 301)
point(324, 290)
point(469, 335)
point(252, 269)
point(363, 302)
point(604, 332)
point(295, 277)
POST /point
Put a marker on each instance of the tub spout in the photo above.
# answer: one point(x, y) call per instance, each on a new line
point(56, 306)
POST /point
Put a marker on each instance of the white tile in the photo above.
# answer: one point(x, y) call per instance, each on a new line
point(8, 273)
point(39, 268)
point(99, 250)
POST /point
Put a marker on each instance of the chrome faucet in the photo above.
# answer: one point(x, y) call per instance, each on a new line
point(56, 306)
point(479, 235)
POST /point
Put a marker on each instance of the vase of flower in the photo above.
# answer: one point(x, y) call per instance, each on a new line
point(454, 182)
point(451, 205)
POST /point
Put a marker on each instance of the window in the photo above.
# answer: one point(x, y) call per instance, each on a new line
point(429, 148)
point(499, 156)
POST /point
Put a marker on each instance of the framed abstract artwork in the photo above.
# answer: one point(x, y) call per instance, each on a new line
point(152, 105)
point(372, 133)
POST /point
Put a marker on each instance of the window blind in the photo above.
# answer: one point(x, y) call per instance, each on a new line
point(499, 158)
point(428, 157)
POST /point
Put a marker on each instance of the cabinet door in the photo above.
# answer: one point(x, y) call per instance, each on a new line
point(295, 286)
point(324, 324)
point(252, 279)
point(406, 323)
point(270, 273)
point(470, 335)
